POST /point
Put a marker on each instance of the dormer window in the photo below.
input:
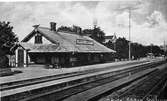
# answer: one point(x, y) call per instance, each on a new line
point(38, 39)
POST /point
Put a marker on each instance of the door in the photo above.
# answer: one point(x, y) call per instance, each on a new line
point(20, 58)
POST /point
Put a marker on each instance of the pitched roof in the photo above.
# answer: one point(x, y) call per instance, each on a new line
point(69, 42)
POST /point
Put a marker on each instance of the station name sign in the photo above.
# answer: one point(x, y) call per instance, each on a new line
point(84, 42)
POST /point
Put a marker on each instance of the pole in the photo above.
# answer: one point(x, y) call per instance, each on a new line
point(164, 47)
point(129, 34)
point(114, 41)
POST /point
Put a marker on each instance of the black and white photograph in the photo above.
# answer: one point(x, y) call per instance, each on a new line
point(83, 50)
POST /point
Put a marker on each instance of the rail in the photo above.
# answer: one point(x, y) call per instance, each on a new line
point(80, 84)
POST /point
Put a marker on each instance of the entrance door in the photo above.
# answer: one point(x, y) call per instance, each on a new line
point(20, 58)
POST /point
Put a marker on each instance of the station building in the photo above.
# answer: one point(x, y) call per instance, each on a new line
point(59, 49)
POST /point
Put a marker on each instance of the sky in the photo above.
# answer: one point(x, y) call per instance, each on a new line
point(148, 17)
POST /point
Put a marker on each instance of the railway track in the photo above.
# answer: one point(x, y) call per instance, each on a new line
point(16, 84)
point(145, 88)
point(148, 88)
point(64, 90)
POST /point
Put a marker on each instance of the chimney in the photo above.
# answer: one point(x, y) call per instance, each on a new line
point(52, 26)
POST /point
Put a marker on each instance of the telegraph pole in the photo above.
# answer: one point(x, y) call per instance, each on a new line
point(129, 34)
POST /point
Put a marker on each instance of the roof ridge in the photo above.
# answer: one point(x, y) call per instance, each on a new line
point(43, 27)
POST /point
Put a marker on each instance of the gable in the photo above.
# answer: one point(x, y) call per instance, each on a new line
point(44, 40)
point(30, 38)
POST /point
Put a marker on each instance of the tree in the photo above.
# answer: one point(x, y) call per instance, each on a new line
point(75, 29)
point(137, 50)
point(96, 34)
point(156, 50)
point(65, 28)
point(110, 44)
point(7, 40)
point(88, 31)
point(122, 48)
